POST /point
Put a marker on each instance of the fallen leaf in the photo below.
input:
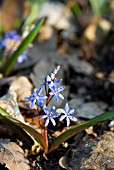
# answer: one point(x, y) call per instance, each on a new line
point(12, 155)
point(9, 103)
point(22, 87)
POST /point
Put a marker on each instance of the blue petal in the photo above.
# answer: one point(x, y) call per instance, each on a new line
point(45, 109)
point(61, 88)
point(40, 103)
point(62, 117)
point(47, 122)
point(73, 118)
point(56, 115)
point(71, 111)
point(52, 109)
point(57, 81)
point(33, 103)
point(56, 98)
point(61, 96)
point(68, 121)
point(67, 107)
point(53, 121)
point(42, 117)
point(27, 99)
point(39, 91)
point(34, 93)
point(43, 97)
point(22, 57)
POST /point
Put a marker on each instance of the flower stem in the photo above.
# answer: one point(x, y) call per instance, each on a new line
point(45, 136)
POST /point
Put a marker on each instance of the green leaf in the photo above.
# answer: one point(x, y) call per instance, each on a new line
point(97, 6)
point(78, 128)
point(76, 9)
point(12, 60)
point(18, 130)
point(21, 128)
point(35, 9)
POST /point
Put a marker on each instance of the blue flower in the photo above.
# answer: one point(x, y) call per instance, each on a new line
point(55, 91)
point(50, 82)
point(10, 42)
point(47, 81)
point(9, 37)
point(22, 57)
point(35, 98)
point(50, 79)
point(49, 115)
point(68, 114)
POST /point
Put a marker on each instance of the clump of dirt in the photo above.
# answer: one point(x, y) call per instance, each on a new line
point(94, 154)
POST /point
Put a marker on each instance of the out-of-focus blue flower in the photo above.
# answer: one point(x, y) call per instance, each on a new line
point(35, 98)
point(49, 115)
point(10, 42)
point(55, 91)
point(68, 114)
point(22, 57)
point(8, 38)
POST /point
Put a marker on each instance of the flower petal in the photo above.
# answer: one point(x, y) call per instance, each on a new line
point(61, 88)
point(60, 111)
point(56, 98)
point(68, 121)
point(57, 81)
point(39, 91)
point(48, 78)
point(34, 93)
point(62, 117)
point(52, 109)
point(71, 111)
point(27, 99)
point(67, 107)
point(40, 103)
point(47, 122)
point(73, 118)
point(53, 121)
point(42, 117)
point(33, 103)
point(42, 97)
point(56, 115)
point(61, 96)
point(51, 93)
point(45, 109)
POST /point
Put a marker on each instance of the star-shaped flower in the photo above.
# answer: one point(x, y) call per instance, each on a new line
point(10, 42)
point(50, 83)
point(55, 91)
point(68, 114)
point(49, 115)
point(35, 98)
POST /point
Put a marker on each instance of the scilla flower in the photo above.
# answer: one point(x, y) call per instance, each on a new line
point(49, 115)
point(55, 91)
point(9, 39)
point(35, 98)
point(68, 114)
point(10, 42)
point(51, 83)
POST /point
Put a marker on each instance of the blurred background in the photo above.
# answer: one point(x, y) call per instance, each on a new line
point(77, 34)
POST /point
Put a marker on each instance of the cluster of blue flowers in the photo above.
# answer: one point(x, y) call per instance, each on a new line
point(10, 41)
point(52, 90)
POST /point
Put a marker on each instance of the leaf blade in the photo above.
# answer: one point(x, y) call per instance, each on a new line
point(78, 128)
point(6, 118)
point(30, 37)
